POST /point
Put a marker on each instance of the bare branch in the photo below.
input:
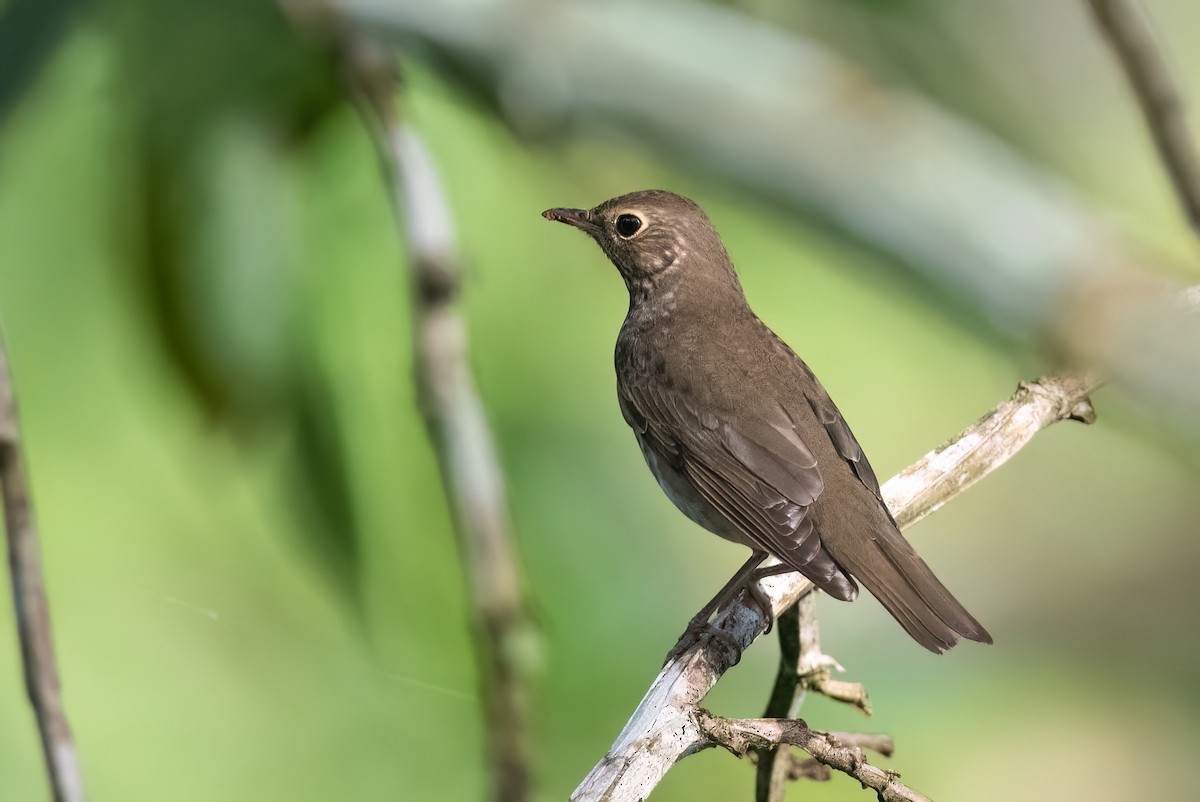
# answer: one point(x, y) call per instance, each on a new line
point(1129, 33)
point(943, 473)
point(794, 767)
point(815, 668)
point(505, 639)
point(741, 736)
point(32, 608)
point(871, 741)
point(662, 729)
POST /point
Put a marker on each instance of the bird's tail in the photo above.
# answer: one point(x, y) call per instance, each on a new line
point(893, 572)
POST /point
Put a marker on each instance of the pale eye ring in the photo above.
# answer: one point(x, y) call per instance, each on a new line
point(628, 225)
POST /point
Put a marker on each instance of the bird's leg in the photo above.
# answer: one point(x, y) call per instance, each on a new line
point(756, 593)
point(699, 625)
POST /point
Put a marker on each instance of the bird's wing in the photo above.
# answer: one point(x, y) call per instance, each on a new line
point(839, 431)
point(884, 561)
point(758, 474)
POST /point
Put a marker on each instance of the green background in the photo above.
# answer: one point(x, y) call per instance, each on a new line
point(209, 649)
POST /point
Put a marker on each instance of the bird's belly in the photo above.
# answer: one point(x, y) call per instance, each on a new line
point(684, 496)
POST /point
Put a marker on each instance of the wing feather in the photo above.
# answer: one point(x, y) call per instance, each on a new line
point(759, 475)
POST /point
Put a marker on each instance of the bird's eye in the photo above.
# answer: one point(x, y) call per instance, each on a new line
point(628, 225)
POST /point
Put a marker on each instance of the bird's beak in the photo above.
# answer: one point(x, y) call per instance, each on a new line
point(580, 218)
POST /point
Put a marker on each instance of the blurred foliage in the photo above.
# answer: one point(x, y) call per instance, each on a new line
point(205, 299)
point(218, 113)
point(30, 31)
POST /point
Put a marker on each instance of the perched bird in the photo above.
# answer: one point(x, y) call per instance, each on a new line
point(738, 431)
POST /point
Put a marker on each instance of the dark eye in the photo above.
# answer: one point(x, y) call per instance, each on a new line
point(628, 225)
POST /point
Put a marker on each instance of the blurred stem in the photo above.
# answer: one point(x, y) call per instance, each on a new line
point(31, 606)
point(1128, 32)
point(786, 697)
point(456, 420)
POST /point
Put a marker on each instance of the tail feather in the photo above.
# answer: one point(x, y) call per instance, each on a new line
point(895, 575)
point(921, 578)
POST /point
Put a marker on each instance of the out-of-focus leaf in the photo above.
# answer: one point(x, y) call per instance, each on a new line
point(223, 96)
point(29, 32)
point(321, 481)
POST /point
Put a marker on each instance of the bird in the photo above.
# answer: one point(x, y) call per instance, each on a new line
point(739, 432)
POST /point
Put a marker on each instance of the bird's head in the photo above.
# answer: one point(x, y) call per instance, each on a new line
point(649, 235)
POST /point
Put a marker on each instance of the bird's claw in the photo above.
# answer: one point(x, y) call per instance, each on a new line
point(760, 598)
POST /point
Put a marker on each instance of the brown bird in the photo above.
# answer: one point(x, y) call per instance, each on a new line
point(738, 431)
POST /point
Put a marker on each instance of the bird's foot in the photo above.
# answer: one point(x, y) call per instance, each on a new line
point(760, 598)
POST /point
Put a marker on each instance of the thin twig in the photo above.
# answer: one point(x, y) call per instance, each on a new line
point(662, 730)
point(815, 668)
point(741, 736)
point(794, 767)
point(505, 639)
point(1129, 33)
point(32, 608)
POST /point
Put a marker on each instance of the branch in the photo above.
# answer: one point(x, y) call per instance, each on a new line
point(741, 736)
point(505, 639)
point(1129, 33)
point(794, 767)
point(663, 729)
point(31, 607)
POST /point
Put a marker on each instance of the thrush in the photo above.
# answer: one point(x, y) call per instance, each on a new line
point(737, 430)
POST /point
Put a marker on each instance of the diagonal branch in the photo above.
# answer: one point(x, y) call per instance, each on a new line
point(663, 728)
point(1128, 31)
point(504, 635)
point(742, 736)
point(31, 606)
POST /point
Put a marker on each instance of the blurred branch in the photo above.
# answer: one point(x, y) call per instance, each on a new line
point(474, 484)
point(741, 736)
point(1132, 40)
point(31, 606)
point(664, 728)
